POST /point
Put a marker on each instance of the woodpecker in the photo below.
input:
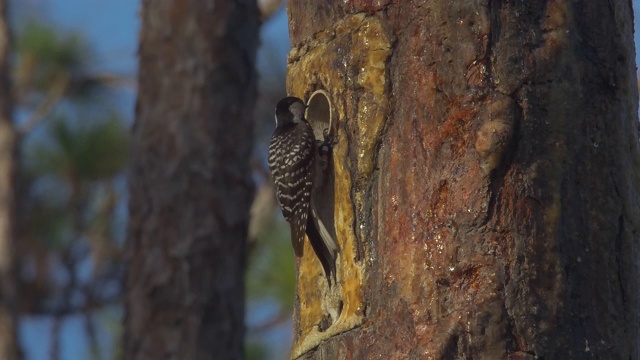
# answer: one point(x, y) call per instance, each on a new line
point(293, 164)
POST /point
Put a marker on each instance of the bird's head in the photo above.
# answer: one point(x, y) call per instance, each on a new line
point(290, 110)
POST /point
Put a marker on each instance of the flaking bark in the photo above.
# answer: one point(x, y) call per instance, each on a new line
point(501, 218)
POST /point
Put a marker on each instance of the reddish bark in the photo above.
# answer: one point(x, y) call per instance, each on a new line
point(501, 219)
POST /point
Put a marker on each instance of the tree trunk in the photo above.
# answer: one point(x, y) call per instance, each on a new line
point(8, 145)
point(486, 179)
point(190, 183)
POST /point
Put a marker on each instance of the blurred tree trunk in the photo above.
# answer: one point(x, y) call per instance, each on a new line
point(497, 207)
point(190, 182)
point(8, 320)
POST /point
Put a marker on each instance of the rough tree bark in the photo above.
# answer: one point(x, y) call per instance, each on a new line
point(490, 155)
point(8, 144)
point(190, 181)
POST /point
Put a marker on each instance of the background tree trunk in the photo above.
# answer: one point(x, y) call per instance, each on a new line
point(190, 182)
point(8, 145)
point(494, 186)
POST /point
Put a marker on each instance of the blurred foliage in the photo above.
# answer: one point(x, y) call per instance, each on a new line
point(48, 53)
point(94, 151)
point(270, 278)
point(72, 192)
point(256, 351)
point(271, 270)
point(46, 57)
point(72, 157)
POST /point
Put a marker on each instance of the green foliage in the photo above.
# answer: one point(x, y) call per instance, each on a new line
point(83, 151)
point(271, 271)
point(111, 317)
point(270, 276)
point(48, 59)
point(67, 170)
point(255, 351)
point(54, 52)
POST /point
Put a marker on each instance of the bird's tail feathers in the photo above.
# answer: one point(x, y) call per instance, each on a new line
point(297, 238)
point(323, 245)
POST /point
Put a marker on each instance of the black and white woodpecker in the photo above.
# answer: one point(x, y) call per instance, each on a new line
point(293, 160)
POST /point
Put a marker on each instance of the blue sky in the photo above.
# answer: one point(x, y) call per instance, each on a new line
point(110, 25)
